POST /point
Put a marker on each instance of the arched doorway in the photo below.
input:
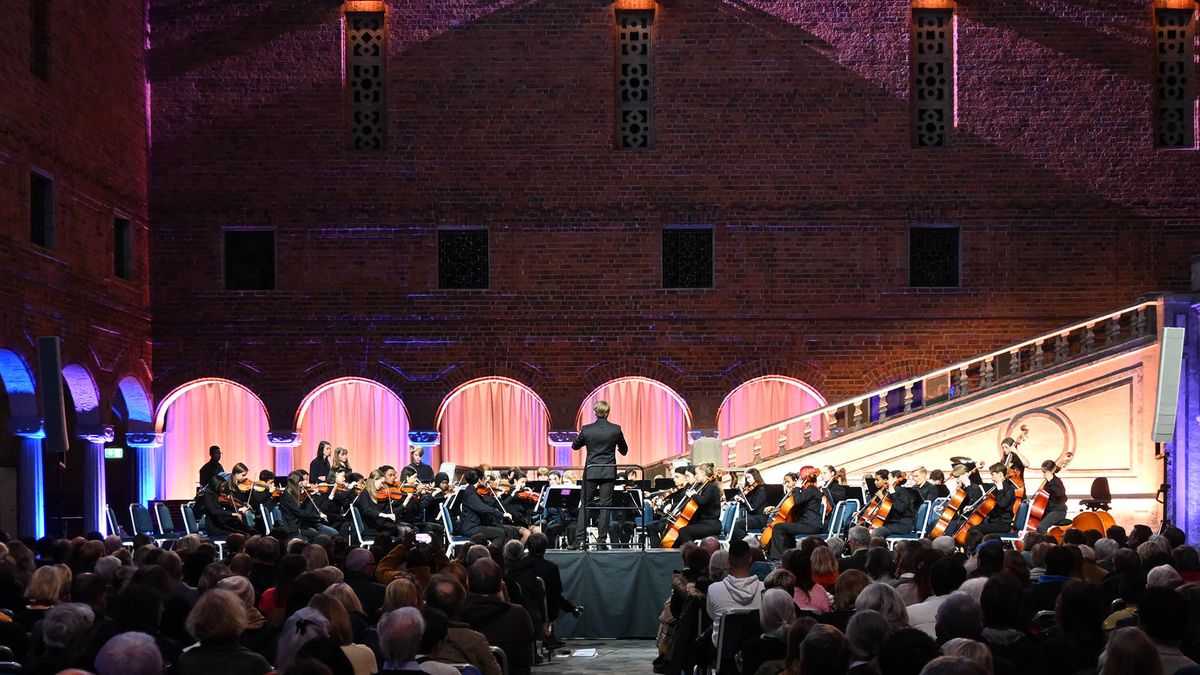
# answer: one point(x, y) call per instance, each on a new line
point(494, 420)
point(19, 413)
point(762, 401)
point(654, 419)
point(358, 414)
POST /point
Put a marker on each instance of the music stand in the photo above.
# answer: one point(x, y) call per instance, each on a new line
point(563, 497)
point(664, 484)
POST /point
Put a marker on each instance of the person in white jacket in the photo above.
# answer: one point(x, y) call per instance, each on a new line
point(740, 591)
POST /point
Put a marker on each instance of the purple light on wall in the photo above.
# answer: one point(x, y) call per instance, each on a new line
point(1183, 507)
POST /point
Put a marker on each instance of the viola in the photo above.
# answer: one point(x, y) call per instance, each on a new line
point(527, 494)
point(681, 519)
point(260, 486)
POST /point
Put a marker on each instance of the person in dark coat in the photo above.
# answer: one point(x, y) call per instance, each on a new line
point(225, 505)
point(483, 515)
point(926, 490)
point(212, 467)
point(318, 468)
point(806, 515)
point(504, 624)
point(603, 440)
point(424, 471)
point(1056, 506)
point(902, 519)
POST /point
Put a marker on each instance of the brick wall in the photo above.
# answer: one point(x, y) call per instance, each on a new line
point(784, 125)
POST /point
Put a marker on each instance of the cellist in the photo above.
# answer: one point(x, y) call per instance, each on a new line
point(1000, 518)
point(706, 522)
point(902, 517)
point(806, 514)
point(1056, 507)
point(666, 505)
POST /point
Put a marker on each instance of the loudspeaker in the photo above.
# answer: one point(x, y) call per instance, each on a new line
point(1170, 362)
point(54, 413)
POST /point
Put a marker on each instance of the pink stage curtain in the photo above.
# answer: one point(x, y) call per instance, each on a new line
point(362, 416)
point(213, 413)
point(654, 421)
point(760, 402)
point(495, 421)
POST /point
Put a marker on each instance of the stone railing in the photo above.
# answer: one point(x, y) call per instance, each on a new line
point(999, 369)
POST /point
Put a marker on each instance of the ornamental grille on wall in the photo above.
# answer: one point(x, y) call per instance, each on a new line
point(364, 59)
point(933, 75)
point(1174, 108)
point(634, 80)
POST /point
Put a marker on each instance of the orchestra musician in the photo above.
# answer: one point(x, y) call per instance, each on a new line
point(318, 468)
point(417, 463)
point(926, 490)
point(902, 518)
point(667, 504)
point(416, 505)
point(376, 507)
point(224, 503)
point(1000, 519)
point(1056, 507)
point(482, 513)
point(300, 515)
point(341, 460)
point(789, 484)
point(806, 515)
point(212, 467)
point(706, 522)
point(754, 498)
point(831, 482)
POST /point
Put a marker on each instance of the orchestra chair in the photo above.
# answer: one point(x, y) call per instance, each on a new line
point(728, 519)
point(850, 507)
point(8, 662)
point(452, 539)
point(140, 518)
point(1043, 621)
point(922, 522)
point(501, 658)
point(166, 524)
point(835, 520)
point(115, 528)
point(1100, 496)
point(192, 526)
point(1020, 523)
point(356, 522)
point(270, 515)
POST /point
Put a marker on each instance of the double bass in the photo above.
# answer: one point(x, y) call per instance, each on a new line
point(683, 516)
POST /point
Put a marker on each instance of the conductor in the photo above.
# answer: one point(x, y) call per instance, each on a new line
point(603, 440)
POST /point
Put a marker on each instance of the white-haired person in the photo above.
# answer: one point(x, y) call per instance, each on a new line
point(131, 653)
point(400, 634)
point(777, 613)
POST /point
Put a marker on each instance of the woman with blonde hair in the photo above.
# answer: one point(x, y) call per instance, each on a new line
point(824, 567)
point(340, 629)
point(344, 594)
point(972, 650)
point(46, 588)
point(886, 600)
point(401, 593)
point(216, 622)
point(1130, 652)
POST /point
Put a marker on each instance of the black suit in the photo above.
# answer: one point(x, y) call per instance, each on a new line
point(603, 440)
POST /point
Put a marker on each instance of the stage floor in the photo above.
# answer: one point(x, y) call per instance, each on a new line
point(622, 592)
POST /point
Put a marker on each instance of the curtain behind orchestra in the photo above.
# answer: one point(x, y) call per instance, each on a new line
point(213, 413)
point(497, 422)
point(654, 422)
point(362, 416)
point(760, 402)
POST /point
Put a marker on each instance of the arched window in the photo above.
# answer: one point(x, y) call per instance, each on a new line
point(494, 420)
point(208, 412)
point(762, 401)
point(654, 419)
point(361, 415)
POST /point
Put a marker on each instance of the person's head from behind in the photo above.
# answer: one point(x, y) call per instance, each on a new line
point(778, 611)
point(1004, 603)
point(958, 616)
point(886, 600)
point(445, 593)
point(739, 557)
point(879, 563)
point(303, 625)
point(537, 544)
point(65, 624)
point(1080, 608)
point(1161, 615)
point(601, 409)
point(780, 579)
point(437, 629)
point(696, 558)
point(906, 651)
point(866, 631)
point(218, 615)
point(339, 619)
point(954, 665)
point(795, 638)
point(483, 577)
point(824, 651)
point(972, 650)
point(131, 653)
point(400, 634)
point(401, 593)
point(1131, 652)
point(946, 575)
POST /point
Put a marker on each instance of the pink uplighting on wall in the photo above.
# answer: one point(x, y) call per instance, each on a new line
point(361, 415)
point(757, 403)
point(207, 412)
point(654, 419)
point(495, 420)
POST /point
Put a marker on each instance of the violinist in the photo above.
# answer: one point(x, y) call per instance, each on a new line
point(754, 501)
point(225, 510)
point(417, 500)
point(481, 513)
point(902, 518)
point(832, 485)
point(1056, 507)
point(300, 515)
point(335, 502)
point(375, 507)
point(318, 468)
point(926, 490)
point(1000, 518)
point(806, 514)
point(520, 501)
point(417, 463)
point(706, 522)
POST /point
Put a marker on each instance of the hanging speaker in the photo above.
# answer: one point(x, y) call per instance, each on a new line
point(54, 413)
point(1170, 362)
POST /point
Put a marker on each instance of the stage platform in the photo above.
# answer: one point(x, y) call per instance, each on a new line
point(622, 592)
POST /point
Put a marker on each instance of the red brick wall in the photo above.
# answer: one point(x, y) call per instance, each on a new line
point(785, 125)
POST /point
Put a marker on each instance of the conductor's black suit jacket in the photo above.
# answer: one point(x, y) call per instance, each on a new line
point(603, 440)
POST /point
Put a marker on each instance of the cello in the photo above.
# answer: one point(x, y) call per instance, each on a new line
point(956, 501)
point(1041, 499)
point(782, 514)
point(868, 511)
point(683, 516)
point(979, 511)
point(885, 506)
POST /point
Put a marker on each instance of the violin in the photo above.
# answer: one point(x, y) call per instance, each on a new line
point(260, 486)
